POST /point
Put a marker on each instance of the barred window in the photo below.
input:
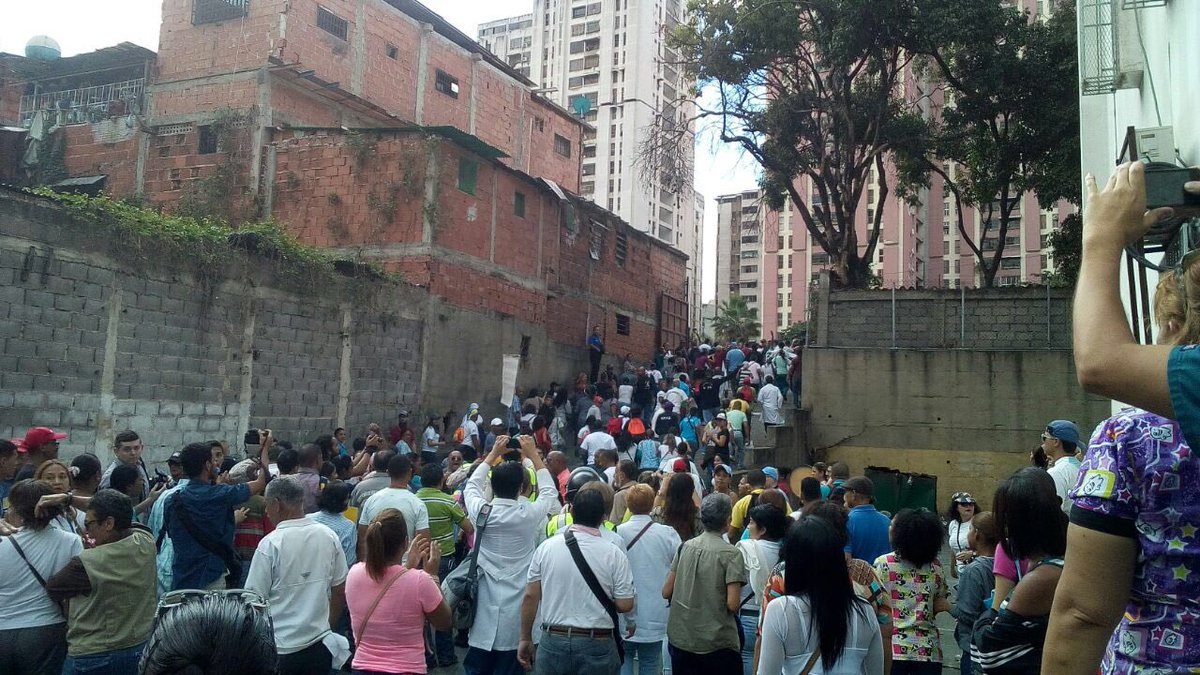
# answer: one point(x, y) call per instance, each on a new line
point(211, 11)
point(332, 23)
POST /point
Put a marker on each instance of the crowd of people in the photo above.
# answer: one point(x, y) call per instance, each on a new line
point(599, 529)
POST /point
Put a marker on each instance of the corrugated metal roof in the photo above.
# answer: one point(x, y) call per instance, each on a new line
point(109, 58)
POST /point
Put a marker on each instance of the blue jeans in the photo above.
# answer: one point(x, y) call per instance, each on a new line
point(116, 662)
point(965, 665)
point(649, 658)
point(483, 662)
point(562, 655)
point(443, 640)
point(749, 627)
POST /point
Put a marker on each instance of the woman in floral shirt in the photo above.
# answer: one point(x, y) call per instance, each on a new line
point(862, 576)
point(912, 576)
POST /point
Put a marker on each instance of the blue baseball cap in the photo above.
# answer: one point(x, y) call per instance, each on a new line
point(1063, 430)
point(772, 472)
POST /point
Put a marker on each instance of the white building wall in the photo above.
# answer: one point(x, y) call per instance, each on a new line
point(512, 40)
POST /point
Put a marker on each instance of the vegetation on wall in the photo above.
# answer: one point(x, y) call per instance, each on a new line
point(204, 246)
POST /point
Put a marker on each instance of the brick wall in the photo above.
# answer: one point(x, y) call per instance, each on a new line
point(109, 147)
point(999, 318)
point(100, 336)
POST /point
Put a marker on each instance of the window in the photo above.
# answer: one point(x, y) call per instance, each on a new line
point(1045, 241)
point(622, 324)
point(589, 151)
point(468, 174)
point(562, 145)
point(596, 246)
point(210, 11)
point(208, 141)
point(593, 9)
point(749, 254)
point(1010, 263)
point(519, 204)
point(525, 341)
point(392, 52)
point(749, 269)
point(622, 250)
point(578, 12)
point(820, 258)
point(446, 83)
point(750, 239)
point(332, 23)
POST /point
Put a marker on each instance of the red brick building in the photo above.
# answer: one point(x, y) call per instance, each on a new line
point(374, 128)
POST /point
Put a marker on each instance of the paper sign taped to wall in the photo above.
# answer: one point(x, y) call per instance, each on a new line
point(508, 380)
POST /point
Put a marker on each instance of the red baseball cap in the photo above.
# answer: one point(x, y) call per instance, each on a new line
point(39, 436)
point(680, 466)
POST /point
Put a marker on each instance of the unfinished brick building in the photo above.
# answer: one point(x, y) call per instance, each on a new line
point(377, 129)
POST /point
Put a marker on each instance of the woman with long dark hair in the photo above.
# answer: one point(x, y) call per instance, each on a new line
point(390, 600)
point(766, 525)
point(1033, 530)
point(958, 528)
point(677, 505)
point(819, 618)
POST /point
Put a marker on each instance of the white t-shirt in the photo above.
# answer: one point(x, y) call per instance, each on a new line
point(416, 515)
point(293, 568)
point(566, 600)
point(595, 442)
point(24, 601)
point(430, 439)
point(650, 560)
point(470, 433)
point(1064, 472)
point(789, 639)
point(625, 393)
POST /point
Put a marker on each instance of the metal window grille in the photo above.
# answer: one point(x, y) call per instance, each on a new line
point(622, 324)
point(332, 23)
point(1097, 47)
point(622, 250)
point(210, 11)
point(172, 129)
point(1142, 4)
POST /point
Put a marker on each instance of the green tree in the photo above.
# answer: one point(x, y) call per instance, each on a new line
point(806, 88)
point(1010, 121)
point(796, 331)
point(736, 320)
point(1066, 250)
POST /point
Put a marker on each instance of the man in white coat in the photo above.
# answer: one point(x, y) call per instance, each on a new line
point(506, 545)
point(771, 400)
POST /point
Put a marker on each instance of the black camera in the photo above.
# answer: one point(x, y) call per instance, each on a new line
point(514, 442)
point(159, 479)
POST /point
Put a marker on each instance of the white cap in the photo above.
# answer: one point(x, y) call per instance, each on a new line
point(496, 421)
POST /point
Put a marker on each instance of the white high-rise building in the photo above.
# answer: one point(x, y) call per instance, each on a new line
point(511, 40)
point(609, 62)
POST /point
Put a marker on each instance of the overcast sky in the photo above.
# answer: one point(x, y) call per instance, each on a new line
point(86, 25)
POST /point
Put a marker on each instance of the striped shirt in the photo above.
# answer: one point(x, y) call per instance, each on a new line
point(444, 515)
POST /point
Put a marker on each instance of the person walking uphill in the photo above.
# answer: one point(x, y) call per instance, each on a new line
point(704, 589)
point(110, 589)
point(579, 620)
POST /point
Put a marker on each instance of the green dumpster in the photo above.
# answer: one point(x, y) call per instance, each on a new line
point(895, 489)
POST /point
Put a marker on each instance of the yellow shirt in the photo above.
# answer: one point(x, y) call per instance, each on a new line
point(738, 519)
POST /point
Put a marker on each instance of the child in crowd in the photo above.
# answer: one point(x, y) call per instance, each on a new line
point(975, 584)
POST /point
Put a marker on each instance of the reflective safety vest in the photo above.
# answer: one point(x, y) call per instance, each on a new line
point(564, 520)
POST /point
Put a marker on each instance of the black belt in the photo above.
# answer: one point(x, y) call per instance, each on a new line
point(572, 631)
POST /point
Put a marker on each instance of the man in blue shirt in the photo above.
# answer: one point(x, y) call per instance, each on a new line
point(734, 358)
point(868, 527)
point(199, 519)
point(595, 353)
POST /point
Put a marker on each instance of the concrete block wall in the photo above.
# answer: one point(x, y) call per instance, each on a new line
point(100, 335)
point(998, 318)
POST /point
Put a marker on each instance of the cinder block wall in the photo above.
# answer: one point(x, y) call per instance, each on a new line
point(99, 336)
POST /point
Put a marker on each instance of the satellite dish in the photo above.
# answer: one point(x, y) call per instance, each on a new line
point(43, 48)
point(582, 105)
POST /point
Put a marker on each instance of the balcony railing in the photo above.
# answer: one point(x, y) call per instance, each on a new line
point(87, 104)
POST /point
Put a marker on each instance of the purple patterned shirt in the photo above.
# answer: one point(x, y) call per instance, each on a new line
point(1139, 480)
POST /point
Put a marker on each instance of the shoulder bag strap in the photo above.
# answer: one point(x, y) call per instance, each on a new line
point(36, 575)
point(639, 535)
point(362, 627)
point(594, 585)
point(812, 661)
point(473, 570)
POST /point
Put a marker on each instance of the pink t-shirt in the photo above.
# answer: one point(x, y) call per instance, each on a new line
point(393, 641)
point(1004, 566)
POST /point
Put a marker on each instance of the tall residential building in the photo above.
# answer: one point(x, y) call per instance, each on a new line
point(610, 64)
point(695, 269)
point(739, 248)
point(511, 40)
